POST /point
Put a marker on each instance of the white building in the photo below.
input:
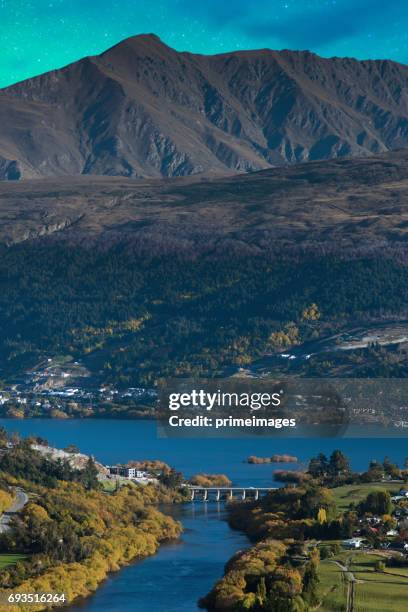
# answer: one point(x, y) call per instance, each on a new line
point(352, 543)
point(131, 473)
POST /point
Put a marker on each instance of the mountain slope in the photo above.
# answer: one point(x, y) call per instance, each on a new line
point(142, 109)
point(345, 204)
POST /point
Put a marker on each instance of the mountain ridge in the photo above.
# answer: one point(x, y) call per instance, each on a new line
point(141, 109)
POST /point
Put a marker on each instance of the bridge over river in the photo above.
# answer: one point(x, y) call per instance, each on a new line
point(227, 493)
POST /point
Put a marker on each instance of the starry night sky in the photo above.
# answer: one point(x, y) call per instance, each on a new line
point(39, 35)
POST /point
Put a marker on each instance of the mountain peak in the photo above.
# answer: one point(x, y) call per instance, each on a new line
point(142, 109)
point(138, 42)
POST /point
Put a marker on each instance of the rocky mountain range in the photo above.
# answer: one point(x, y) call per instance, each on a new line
point(142, 109)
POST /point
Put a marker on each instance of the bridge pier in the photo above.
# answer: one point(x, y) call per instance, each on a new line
point(226, 493)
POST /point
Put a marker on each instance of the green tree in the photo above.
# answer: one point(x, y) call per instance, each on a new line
point(317, 498)
point(391, 469)
point(339, 464)
point(349, 523)
point(171, 478)
point(311, 581)
point(374, 473)
point(376, 502)
point(318, 466)
point(89, 476)
point(261, 591)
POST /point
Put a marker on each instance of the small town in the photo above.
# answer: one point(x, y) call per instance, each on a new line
point(65, 389)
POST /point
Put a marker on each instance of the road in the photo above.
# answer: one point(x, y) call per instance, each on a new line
point(361, 335)
point(18, 504)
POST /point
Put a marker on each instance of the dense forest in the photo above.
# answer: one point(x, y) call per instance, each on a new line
point(134, 318)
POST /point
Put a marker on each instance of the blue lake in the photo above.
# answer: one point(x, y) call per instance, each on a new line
point(112, 441)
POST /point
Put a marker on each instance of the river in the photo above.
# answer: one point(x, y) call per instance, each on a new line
point(181, 572)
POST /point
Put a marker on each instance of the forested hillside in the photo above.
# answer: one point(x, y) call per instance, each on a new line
point(134, 319)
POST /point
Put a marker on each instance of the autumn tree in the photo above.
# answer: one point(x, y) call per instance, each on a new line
point(311, 313)
point(376, 502)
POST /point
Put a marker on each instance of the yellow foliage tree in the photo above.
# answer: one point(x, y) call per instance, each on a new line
point(311, 313)
point(322, 516)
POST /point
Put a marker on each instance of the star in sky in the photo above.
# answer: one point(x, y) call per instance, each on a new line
point(39, 35)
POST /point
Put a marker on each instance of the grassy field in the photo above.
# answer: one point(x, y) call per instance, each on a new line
point(381, 593)
point(347, 494)
point(374, 591)
point(332, 587)
point(6, 560)
point(398, 571)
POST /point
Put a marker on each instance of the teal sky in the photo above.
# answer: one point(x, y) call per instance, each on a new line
point(39, 35)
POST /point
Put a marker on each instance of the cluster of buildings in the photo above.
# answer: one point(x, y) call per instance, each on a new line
point(134, 474)
point(26, 395)
point(71, 381)
point(3, 399)
point(103, 393)
point(374, 525)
